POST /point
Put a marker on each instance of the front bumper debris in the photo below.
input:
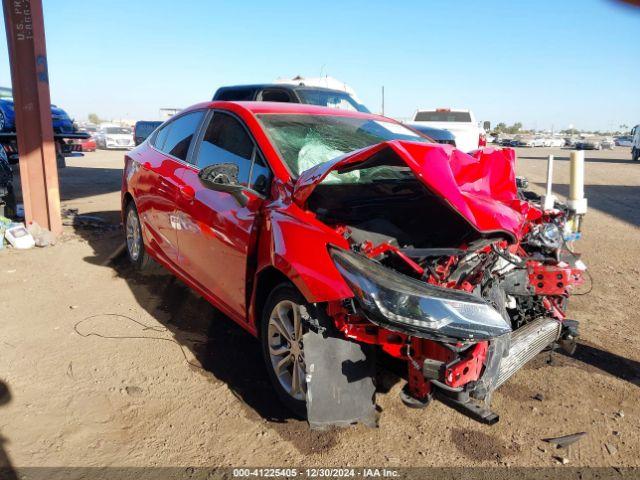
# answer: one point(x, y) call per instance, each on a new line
point(506, 355)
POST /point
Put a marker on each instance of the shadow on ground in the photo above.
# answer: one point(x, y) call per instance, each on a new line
point(80, 182)
point(223, 349)
point(619, 201)
point(6, 469)
point(592, 359)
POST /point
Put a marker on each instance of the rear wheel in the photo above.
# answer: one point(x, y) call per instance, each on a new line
point(281, 336)
point(635, 154)
point(133, 236)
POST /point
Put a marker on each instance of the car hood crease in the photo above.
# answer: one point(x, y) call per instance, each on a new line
point(479, 186)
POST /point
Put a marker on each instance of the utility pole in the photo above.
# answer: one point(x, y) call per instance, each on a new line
point(383, 100)
point(24, 23)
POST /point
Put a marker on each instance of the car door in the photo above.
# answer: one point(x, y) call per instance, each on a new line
point(218, 227)
point(160, 182)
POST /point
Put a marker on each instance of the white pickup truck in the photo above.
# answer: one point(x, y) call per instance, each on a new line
point(635, 143)
point(461, 123)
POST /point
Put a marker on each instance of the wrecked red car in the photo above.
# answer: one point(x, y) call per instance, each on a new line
point(339, 238)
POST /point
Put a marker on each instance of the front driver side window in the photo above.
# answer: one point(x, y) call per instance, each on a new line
point(226, 141)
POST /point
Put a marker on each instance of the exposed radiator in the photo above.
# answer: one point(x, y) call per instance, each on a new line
point(526, 343)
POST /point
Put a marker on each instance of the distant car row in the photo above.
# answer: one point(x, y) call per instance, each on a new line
point(587, 143)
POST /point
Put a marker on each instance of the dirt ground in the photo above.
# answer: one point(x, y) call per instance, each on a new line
point(181, 385)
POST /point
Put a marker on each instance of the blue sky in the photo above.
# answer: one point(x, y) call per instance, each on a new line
point(542, 63)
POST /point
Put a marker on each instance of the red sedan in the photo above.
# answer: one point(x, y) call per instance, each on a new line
point(336, 236)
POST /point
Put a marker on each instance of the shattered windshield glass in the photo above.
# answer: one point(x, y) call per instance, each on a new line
point(305, 141)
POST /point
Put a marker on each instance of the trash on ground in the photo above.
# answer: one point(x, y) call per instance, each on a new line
point(41, 236)
point(565, 440)
point(18, 236)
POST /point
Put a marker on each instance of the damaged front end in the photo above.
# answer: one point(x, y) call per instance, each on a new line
point(453, 269)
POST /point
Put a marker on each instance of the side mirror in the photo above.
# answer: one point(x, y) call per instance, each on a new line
point(223, 177)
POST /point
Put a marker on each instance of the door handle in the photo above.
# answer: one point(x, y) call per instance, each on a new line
point(187, 192)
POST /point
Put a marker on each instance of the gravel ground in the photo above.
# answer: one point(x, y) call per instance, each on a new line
point(187, 387)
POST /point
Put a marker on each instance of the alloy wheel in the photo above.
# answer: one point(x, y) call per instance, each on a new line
point(286, 349)
point(2, 121)
point(133, 235)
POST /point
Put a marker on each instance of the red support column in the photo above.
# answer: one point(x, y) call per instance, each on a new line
point(24, 24)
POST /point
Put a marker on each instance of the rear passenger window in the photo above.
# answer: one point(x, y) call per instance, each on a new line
point(227, 141)
point(238, 94)
point(175, 138)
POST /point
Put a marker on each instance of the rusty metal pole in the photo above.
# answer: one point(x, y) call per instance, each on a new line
point(24, 24)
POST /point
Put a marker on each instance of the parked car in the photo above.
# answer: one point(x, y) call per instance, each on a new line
point(331, 235)
point(114, 137)
point(142, 129)
point(607, 143)
point(624, 141)
point(437, 134)
point(7, 196)
point(461, 123)
point(291, 93)
point(62, 123)
point(88, 144)
point(556, 142)
point(588, 144)
point(522, 141)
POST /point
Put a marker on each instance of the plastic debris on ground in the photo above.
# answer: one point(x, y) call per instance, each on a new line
point(19, 237)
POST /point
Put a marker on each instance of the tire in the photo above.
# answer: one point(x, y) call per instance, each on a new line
point(635, 154)
point(134, 243)
point(281, 338)
point(61, 161)
point(3, 121)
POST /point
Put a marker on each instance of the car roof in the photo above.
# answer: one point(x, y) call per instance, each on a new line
point(257, 108)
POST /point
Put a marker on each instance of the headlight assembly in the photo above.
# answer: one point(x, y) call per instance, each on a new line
point(547, 235)
point(401, 303)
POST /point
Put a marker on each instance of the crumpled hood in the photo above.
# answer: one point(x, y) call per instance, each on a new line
point(480, 186)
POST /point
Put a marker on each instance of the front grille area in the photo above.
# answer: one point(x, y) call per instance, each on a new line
point(123, 141)
point(526, 343)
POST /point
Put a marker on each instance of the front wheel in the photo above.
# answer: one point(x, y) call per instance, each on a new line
point(635, 154)
point(282, 346)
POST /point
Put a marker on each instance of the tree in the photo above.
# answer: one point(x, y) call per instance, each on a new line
point(515, 128)
point(94, 118)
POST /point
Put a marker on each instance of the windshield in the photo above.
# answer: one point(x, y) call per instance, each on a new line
point(339, 100)
point(117, 131)
point(305, 141)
